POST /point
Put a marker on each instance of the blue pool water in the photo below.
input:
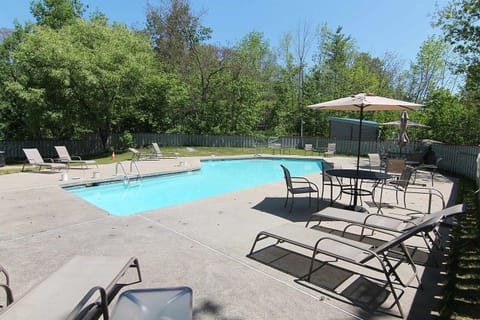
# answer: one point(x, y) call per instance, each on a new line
point(215, 177)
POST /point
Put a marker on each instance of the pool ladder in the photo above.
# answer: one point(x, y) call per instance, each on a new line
point(127, 177)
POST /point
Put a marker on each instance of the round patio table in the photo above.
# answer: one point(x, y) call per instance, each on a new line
point(378, 178)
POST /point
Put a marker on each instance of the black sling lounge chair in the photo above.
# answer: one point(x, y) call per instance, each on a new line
point(350, 251)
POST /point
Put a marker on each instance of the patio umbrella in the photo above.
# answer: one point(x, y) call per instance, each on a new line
point(364, 102)
point(410, 124)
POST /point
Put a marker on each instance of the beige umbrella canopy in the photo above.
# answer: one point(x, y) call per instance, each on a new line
point(410, 124)
point(364, 102)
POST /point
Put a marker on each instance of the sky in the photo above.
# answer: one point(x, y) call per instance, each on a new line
point(378, 26)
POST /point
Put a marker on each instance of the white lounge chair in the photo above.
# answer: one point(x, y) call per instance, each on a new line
point(375, 162)
point(64, 157)
point(159, 153)
point(83, 286)
point(34, 159)
point(331, 149)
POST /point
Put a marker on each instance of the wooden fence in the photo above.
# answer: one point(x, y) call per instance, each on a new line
point(457, 158)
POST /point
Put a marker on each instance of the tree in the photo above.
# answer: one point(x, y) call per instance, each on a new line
point(452, 121)
point(56, 13)
point(175, 31)
point(88, 77)
point(430, 70)
point(459, 21)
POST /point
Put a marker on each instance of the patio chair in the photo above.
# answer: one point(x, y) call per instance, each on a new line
point(159, 153)
point(375, 162)
point(403, 184)
point(276, 146)
point(372, 221)
point(331, 181)
point(80, 289)
point(137, 155)
point(308, 147)
point(299, 185)
point(331, 149)
point(432, 168)
point(353, 252)
point(64, 157)
point(395, 166)
point(34, 159)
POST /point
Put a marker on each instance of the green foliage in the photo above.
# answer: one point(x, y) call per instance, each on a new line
point(459, 21)
point(126, 141)
point(56, 13)
point(88, 77)
point(450, 119)
point(66, 76)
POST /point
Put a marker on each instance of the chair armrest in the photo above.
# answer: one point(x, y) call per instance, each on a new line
point(300, 180)
point(8, 294)
point(81, 310)
point(49, 160)
point(76, 157)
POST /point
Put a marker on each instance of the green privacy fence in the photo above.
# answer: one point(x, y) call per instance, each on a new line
point(459, 159)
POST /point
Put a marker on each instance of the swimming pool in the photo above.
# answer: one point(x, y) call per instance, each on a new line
point(215, 177)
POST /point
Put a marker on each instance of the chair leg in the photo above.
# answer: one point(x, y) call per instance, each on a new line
point(291, 204)
point(286, 201)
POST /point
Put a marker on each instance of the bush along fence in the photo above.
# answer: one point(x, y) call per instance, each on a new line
point(459, 159)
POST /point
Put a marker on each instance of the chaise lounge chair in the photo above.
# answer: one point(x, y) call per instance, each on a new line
point(331, 150)
point(137, 155)
point(159, 153)
point(81, 288)
point(352, 252)
point(34, 159)
point(381, 222)
point(64, 157)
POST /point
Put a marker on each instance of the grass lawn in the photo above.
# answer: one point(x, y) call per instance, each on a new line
point(106, 158)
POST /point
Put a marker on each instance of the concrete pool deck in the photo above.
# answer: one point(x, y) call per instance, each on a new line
point(201, 244)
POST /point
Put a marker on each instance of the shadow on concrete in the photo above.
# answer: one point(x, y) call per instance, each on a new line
point(347, 286)
point(212, 310)
point(301, 210)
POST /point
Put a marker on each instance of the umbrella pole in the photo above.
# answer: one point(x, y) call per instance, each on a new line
point(355, 191)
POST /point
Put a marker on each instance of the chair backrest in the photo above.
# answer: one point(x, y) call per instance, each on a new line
point(134, 151)
point(426, 226)
point(374, 160)
point(156, 148)
point(308, 147)
point(288, 177)
point(395, 166)
point(404, 179)
point(63, 153)
point(442, 214)
point(33, 155)
point(327, 165)
point(332, 147)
